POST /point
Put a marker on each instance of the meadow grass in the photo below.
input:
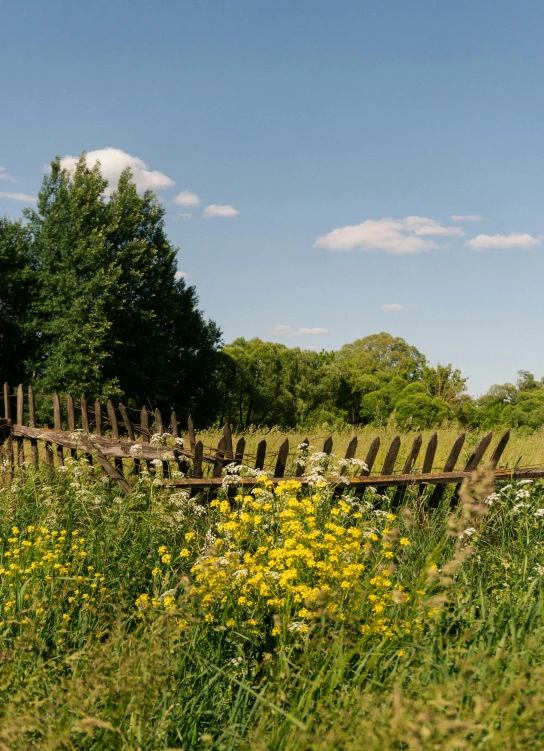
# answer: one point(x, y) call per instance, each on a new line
point(524, 448)
point(290, 620)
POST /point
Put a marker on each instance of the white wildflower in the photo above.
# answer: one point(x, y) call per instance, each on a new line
point(492, 498)
point(468, 532)
point(539, 512)
point(296, 626)
point(519, 506)
point(237, 660)
point(242, 572)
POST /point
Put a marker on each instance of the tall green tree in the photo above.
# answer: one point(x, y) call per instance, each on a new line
point(112, 318)
point(16, 287)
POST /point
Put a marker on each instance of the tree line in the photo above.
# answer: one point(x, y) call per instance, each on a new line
point(90, 303)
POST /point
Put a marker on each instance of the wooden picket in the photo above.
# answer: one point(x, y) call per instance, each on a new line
point(120, 447)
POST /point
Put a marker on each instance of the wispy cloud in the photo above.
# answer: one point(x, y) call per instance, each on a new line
point(114, 161)
point(395, 236)
point(398, 306)
point(182, 275)
point(186, 198)
point(225, 211)
point(19, 197)
point(5, 176)
point(467, 218)
point(290, 331)
point(493, 242)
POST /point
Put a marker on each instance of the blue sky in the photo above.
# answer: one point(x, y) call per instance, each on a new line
point(330, 128)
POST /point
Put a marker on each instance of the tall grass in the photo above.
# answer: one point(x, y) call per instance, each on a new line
point(115, 676)
point(523, 448)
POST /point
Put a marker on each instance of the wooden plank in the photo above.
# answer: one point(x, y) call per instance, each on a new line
point(409, 464)
point(123, 411)
point(227, 434)
point(7, 416)
point(239, 451)
point(97, 417)
point(127, 421)
point(479, 451)
point(391, 456)
point(350, 453)
point(7, 405)
point(19, 442)
point(84, 414)
point(281, 461)
point(112, 417)
point(158, 426)
point(57, 421)
point(197, 459)
point(430, 453)
point(261, 453)
point(476, 457)
point(390, 459)
point(371, 455)
point(299, 469)
point(108, 446)
point(327, 446)
point(383, 480)
point(70, 411)
point(112, 472)
point(499, 449)
point(221, 448)
point(449, 466)
point(174, 430)
point(191, 431)
point(20, 404)
point(32, 423)
point(144, 424)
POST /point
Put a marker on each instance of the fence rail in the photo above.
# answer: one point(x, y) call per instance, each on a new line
point(108, 437)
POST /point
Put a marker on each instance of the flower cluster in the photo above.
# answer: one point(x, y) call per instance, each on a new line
point(281, 558)
point(44, 575)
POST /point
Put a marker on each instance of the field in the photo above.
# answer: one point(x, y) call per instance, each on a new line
point(276, 620)
point(523, 448)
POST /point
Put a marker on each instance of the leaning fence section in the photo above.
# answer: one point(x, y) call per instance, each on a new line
point(122, 446)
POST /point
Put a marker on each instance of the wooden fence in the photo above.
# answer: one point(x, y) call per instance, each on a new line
point(109, 437)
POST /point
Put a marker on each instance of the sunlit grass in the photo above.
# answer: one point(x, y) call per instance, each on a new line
point(458, 664)
point(523, 448)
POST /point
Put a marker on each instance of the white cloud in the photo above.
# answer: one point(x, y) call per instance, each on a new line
point(467, 218)
point(397, 306)
point(186, 198)
point(290, 331)
point(182, 275)
point(5, 177)
point(114, 161)
point(19, 197)
point(514, 240)
point(223, 211)
point(395, 236)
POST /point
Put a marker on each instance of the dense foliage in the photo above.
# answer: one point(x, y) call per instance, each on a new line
point(90, 283)
point(289, 619)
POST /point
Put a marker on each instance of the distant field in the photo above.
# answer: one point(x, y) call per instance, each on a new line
point(522, 449)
